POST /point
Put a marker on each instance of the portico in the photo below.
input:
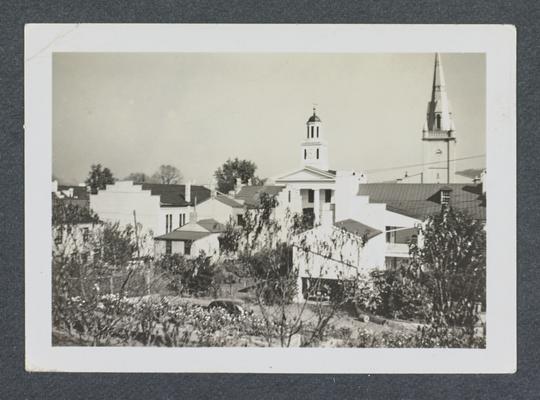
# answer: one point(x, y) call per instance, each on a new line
point(312, 192)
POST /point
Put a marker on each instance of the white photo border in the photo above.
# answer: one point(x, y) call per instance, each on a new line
point(498, 42)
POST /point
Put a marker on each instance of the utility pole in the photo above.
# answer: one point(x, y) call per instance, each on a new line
point(448, 162)
point(136, 234)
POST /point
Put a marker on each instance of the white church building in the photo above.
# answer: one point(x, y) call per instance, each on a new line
point(384, 217)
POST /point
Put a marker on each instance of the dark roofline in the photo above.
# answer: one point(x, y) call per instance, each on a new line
point(173, 195)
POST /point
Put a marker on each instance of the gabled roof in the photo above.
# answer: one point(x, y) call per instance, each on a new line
point(190, 232)
point(183, 235)
point(211, 225)
point(420, 200)
point(308, 173)
point(357, 228)
point(228, 201)
point(251, 194)
point(174, 195)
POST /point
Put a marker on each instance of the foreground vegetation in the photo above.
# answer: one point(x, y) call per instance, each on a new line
point(149, 303)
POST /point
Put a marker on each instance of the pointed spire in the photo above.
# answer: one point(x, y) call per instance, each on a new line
point(438, 75)
point(439, 117)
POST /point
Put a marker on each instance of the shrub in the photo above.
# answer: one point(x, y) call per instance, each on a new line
point(113, 320)
point(195, 276)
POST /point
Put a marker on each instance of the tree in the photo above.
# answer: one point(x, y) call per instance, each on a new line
point(168, 175)
point(451, 264)
point(138, 177)
point(264, 248)
point(227, 174)
point(69, 214)
point(99, 178)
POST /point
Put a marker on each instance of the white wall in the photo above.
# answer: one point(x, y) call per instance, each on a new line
point(213, 208)
point(74, 239)
point(326, 252)
point(208, 244)
point(118, 201)
point(175, 212)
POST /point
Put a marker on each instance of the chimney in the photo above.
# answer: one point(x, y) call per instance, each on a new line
point(54, 186)
point(238, 185)
point(483, 181)
point(187, 193)
point(212, 188)
point(193, 213)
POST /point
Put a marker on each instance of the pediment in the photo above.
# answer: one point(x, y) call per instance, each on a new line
point(307, 174)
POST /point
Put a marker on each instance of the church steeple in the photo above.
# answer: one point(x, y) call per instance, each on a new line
point(438, 133)
point(314, 150)
point(439, 117)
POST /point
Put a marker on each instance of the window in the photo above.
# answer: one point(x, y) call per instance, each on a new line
point(85, 234)
point(168, 223)
point(305, 154)
point(58, 236)
point(445, 197)
point(317, 131)
point(240, 219)
point(168, 247)
point(308, 217)
point(308, 132)
point(312, 131)
point(311, 196)
point(438, 121)
point(289, 196)
point(327, 196)
point(181, 219)
point(317, 154)
point(390, 234)
point(187, 248)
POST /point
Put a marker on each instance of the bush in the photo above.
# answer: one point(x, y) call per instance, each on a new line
point(273, 271)
point(400, 295)
point(393, 294)
point(427, 337)
point(113, 320)
point(194, 276)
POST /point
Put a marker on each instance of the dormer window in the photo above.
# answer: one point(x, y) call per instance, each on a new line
point(445, 196)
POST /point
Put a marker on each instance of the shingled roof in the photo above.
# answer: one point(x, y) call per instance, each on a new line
point(211, 225)
point(419, 200)
point(174, 195)
point(357, 228)
point(179, 235)
point(225, 199)
point(251, 194)
point(187, 232)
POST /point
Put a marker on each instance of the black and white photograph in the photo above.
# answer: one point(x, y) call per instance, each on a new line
point(235, 199)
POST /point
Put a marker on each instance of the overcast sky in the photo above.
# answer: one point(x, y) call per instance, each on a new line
point(134, 112)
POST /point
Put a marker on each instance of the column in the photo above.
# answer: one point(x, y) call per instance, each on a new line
point(317, 206)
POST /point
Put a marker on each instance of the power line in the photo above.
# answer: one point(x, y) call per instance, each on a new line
point(423, 164)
